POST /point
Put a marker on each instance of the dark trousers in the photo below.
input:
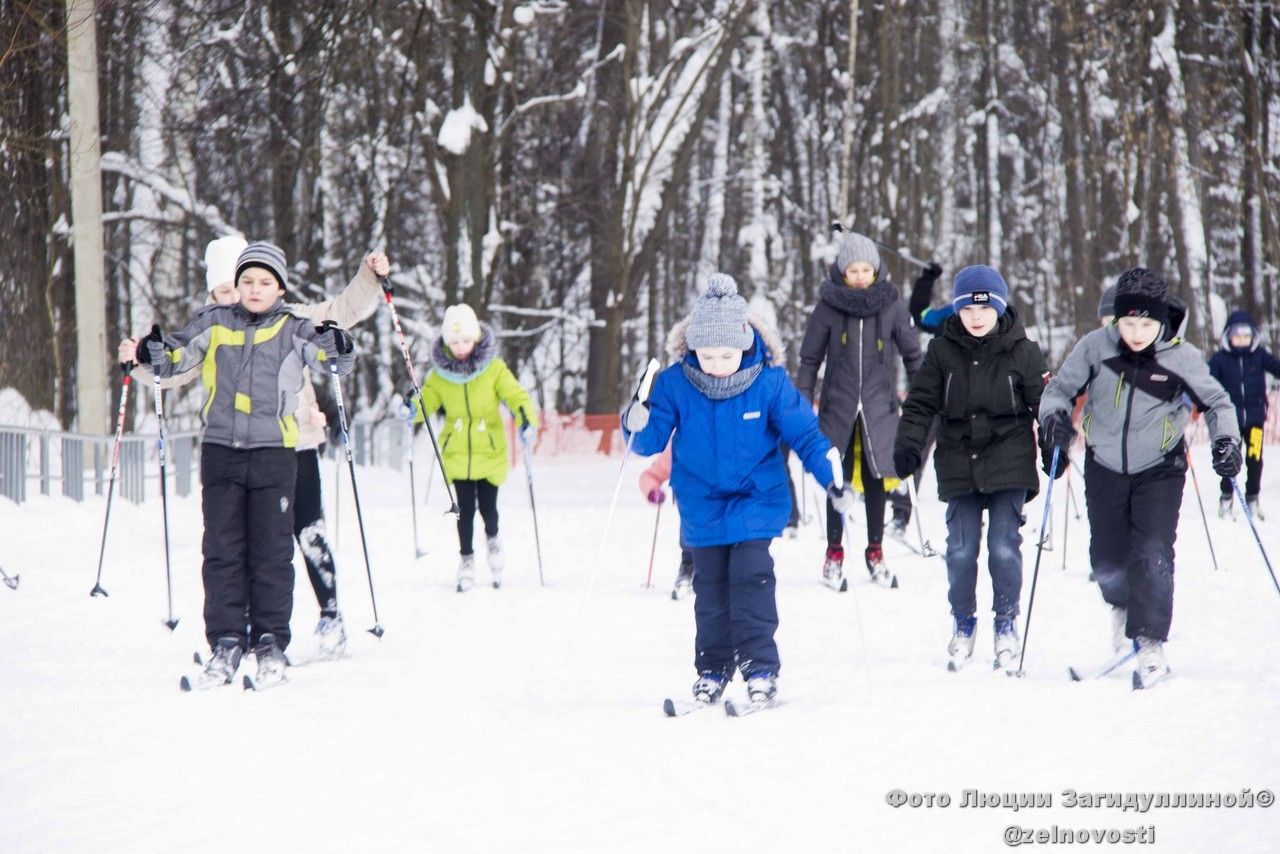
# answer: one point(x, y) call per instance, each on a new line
point(1004, 550)
point(1252, 464)
point(872, 490)
point(471, 492)
point(1134, 522)
point(736, 609)
point(308, 528)
point(248, 542)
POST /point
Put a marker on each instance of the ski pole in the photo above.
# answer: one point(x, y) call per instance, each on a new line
point(1249, 518)
point(172, 622)
point(413, 490)
point(377, 629)
point(837, 226)
point(1066, 520)
point(417, 391)
point(837, 478)
point(1195, 483)
point(126, 367)
point(11, 581)
point(653, 548)
point(533, 505)
point(1035, 574)
point(926, 548)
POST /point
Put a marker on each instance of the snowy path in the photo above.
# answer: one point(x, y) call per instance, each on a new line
point(529, 719)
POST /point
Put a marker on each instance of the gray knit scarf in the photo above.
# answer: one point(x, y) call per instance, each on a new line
point(865, 302)
point(722, 388)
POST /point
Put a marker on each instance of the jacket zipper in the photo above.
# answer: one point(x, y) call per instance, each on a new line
point(866, 434)
point(1243, 400)
point(466, 399)
point(1013, 399)
point(1124, 435)
point(246, 361)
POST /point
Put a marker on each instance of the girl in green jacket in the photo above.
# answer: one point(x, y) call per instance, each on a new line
point(468, 380)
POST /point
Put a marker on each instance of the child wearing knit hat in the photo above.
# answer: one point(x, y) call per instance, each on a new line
point(981, 380)
point(859, 327)
point(730, 405)
point(1137, 373)
point(467, 381)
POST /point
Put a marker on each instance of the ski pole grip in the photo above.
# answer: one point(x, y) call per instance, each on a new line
point(646, 380)
point(837, 473)
point(385, 283)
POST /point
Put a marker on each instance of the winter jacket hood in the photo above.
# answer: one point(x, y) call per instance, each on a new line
point(1135, 414)
point(456, 370)
point(1240, 317)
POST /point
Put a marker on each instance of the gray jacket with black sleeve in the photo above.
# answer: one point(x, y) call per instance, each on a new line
point(1137, 407)
point(252, 368)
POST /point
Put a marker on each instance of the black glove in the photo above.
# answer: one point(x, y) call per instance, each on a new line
point(1226, 457)
point(905, 462)
point(151, 347)
point(335, 340)
point(1046, 461)
point(1056, 429)
point(931, 272)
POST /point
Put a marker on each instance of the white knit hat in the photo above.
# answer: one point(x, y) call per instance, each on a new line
point(460, 322)
point(220, 258)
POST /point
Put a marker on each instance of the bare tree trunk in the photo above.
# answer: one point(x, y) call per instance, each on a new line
point(846, 150)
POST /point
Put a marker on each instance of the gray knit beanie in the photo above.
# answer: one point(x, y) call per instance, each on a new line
point(1107, 305)
point(855, 247)
point(269, 257)
point(719, 317)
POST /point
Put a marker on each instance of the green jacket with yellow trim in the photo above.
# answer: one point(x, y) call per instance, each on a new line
point(473, 444)
point(251, 366)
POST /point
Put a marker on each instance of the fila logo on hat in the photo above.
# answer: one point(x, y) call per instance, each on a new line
point(981, 296)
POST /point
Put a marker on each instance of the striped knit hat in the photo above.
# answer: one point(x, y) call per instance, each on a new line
point(269, 257)
point(980, 285)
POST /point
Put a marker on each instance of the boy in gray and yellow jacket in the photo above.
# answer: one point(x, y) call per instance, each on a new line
point(1137, 373)
point(252, 357)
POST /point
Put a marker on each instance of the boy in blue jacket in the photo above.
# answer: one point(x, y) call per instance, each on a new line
point(730, 406)
point(1241, 366)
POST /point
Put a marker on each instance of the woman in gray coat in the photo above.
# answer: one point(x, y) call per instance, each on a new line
point(858, 327)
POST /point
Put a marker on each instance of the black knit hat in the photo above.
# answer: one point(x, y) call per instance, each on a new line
point(1142, 293)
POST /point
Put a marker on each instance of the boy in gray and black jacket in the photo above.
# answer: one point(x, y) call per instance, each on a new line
point(1136, 373)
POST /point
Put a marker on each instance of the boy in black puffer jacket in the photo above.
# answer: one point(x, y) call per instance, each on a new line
point(982, 377)
point(1241, 366)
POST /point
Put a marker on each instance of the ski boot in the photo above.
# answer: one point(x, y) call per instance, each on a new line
point(332, 634)
point(1007, 644)
point(684, 579)
point(960, 650)
point(880, 573)
point(496, 560)
point(220, 669)
point(833, 569)
point(708, 688)
point(1226, 507)
point(762, 688)
point(271, 665)
point(1254, 509)
point(1152, 666)
point(1119, 619)
point(466, 573)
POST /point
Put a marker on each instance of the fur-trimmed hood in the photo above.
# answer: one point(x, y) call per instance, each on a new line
point(455, 370)
point(775, 352)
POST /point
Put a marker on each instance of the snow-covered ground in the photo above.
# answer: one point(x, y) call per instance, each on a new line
point(528, 719)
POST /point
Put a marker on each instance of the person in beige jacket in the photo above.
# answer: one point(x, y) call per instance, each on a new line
point(355, 303)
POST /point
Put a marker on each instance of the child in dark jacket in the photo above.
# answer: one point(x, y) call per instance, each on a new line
point(982, 378)
point(1137, 373)
point(1241, 366)
point(859, 324)
point(254, 355)
point(730, 405)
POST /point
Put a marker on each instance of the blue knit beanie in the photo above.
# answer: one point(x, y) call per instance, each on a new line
point(980, 285)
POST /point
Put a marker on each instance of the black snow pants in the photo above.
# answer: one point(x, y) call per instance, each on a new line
point(308, 528)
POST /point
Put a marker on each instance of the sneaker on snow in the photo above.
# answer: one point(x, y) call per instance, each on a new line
point(496, 560)
point(466, 573)
point(684, 580)
point(225, 661)
point(1152, 666)
point(960, 649)
point(1226, 507)
point(271, 661)
point(833, 569)
point(709, 687)
point(332, 634)
point(762, 687)
point(1254, 509)
point(1119, 619)
point(1007, 644)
